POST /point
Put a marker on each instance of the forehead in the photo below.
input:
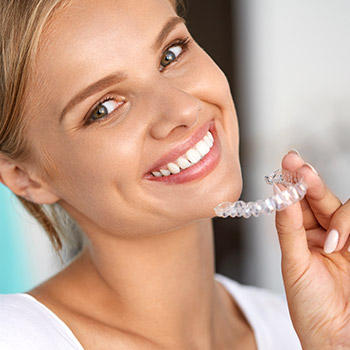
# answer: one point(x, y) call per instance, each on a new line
point(83, 20)
point(102, 33)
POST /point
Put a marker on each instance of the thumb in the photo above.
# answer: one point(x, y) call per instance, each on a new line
point(292, 237)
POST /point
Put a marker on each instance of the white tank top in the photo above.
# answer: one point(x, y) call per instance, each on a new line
point(26, 324)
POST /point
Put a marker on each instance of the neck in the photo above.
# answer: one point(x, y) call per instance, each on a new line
point(162, 286)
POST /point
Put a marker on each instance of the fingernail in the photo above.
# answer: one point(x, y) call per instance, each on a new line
point(293, 150)
point(312, 168)
point(349, 248)
point(331, 242)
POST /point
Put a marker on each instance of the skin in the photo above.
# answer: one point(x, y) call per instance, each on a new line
point(143, 235)
point(145, 278)
point(317, 283)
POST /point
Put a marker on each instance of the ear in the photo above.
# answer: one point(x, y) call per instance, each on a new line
point(17, 179)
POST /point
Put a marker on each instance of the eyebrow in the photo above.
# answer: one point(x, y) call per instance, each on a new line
point(90, 90)
point(168, 27)
point(118, 77)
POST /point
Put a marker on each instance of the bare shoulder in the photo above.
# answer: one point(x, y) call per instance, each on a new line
point(75, 298)
point(63, 293)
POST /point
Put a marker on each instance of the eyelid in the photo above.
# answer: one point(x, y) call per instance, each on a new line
point(177, 41)
point(184, 42)
point(86, 119)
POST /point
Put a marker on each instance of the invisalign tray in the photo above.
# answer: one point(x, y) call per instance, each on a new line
point(294, 192)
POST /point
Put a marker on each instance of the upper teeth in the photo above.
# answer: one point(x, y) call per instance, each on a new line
point(191, 157)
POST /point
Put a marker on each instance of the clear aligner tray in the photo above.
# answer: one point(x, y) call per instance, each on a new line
point(295, 190)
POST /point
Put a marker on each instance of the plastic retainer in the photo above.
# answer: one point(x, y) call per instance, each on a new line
point(294, 192)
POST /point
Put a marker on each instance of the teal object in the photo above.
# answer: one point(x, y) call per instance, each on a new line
point(15, 274)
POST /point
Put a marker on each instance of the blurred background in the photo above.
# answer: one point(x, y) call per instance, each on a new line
point(288, 65)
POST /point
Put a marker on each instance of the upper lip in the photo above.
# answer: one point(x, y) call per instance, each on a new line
point(182, 147)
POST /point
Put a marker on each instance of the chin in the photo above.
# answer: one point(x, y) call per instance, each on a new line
point(228, 189)
point(230, 193)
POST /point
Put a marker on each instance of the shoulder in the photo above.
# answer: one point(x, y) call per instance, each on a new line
point(27, 324)
point(267, 312)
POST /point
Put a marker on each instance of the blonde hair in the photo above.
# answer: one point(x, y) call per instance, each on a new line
point(22, 23)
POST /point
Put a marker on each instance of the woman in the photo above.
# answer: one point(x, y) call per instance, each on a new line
point(104, 104)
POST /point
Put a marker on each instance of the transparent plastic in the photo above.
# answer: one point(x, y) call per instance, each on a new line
point(291, 189)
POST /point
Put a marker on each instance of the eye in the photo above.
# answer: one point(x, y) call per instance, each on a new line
point(170, 55)
point(173, 52)
point(103, 109)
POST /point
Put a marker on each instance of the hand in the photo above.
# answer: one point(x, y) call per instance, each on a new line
point(316, 269)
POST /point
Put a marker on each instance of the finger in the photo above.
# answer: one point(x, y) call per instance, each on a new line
point(310, 221)
point(339, 229)
point(292, 236)
point(322, 202)
point(316, 238)
point(292, 162)
point(347, 246)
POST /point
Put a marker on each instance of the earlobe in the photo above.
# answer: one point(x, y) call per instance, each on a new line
point(19, 182)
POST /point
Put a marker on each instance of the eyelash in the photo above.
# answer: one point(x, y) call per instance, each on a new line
point(184, 43)
point(100, 102)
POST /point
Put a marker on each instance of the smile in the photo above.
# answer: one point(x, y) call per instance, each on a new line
point(186, 164)
point(188, 159)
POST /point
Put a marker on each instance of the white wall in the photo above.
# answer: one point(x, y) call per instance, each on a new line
point(294, 62)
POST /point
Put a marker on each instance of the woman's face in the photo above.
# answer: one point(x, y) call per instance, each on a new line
point(119, 90)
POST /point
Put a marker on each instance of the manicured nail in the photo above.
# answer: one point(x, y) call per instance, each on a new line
point(293, 150)
point(331, 242)
point(312, 168)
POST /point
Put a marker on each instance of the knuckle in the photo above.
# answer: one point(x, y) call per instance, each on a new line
point(342, 213)
point(341, 219)
point(286, 227)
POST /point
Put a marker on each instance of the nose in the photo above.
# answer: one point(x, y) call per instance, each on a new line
point(175, 111)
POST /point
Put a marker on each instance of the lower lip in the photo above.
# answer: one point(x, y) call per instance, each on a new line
point(197, 171)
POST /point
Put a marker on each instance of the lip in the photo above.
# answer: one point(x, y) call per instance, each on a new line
point(200, 169)
point(181, 148)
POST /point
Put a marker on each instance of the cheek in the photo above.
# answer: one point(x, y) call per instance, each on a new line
point(209, 78)
point(97, 179)
point(213, 88)
point(207, 82)
point(89, 165)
